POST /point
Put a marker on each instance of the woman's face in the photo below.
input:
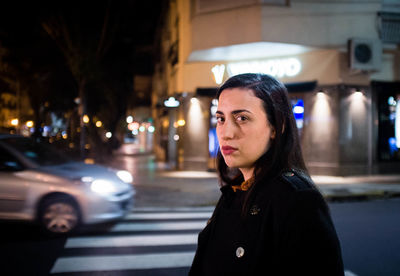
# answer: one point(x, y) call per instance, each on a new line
point(243, 130)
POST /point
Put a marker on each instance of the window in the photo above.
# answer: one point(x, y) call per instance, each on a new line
point(8, 162)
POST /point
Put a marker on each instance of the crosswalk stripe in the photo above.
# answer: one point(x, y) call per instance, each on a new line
point(123, 262)
point(129, 240)
point(163, 226)
point(150, 216)
point(174, 209)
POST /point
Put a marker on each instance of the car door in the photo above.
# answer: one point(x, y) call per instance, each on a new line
point(13, 189)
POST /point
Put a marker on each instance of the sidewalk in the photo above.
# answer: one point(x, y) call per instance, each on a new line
point(337, 188)
point(157, 185)
point(334, 188)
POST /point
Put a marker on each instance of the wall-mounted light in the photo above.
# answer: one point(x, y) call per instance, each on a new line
point(171, 102)
point(358, 94)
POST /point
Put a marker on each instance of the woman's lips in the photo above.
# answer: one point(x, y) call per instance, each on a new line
point(226, 150)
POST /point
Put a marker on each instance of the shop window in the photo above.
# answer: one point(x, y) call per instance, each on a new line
point(389, 127)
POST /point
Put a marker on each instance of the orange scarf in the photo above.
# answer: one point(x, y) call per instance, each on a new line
point(244, 186)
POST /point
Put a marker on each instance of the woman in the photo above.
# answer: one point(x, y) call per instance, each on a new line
point(270, 219)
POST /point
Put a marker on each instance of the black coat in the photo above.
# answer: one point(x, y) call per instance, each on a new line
point(287, 231)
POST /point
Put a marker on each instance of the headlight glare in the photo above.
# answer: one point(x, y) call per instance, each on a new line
point(101, 186)
point(87, 179)
point(125, 176)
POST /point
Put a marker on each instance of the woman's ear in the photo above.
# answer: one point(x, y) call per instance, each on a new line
point(273, 133)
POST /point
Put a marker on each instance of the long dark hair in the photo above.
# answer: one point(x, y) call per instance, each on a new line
point(284, 152)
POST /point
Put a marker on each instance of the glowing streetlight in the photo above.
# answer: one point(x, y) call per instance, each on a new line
point(85, 119)
point(29, 123)
point(181, 122)
point(99, 123)
point(14, 122)
point(129, 119)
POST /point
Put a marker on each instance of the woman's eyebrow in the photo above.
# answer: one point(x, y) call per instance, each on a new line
point(234, 111)
point(240, 111)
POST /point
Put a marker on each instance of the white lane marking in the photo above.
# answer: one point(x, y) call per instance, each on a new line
point(163, 226)
point(174, 209)
point(139, 240)
point(150, 216)
point(123, 262)
point(349, 273)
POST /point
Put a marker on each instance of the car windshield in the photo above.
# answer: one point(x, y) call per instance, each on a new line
point(37, 152)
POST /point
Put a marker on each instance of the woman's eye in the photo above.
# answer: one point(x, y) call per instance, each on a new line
point(241, 118)
point(220, 119)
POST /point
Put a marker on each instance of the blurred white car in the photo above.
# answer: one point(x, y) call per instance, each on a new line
point(39, 184)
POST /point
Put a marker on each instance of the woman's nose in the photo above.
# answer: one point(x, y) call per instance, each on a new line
point(226, 131)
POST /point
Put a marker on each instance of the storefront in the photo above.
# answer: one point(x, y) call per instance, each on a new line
point(336, 119)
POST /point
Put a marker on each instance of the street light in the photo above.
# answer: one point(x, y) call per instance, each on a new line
point(85, 119)
point(14, 122)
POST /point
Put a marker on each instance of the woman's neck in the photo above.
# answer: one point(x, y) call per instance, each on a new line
point(247, 173)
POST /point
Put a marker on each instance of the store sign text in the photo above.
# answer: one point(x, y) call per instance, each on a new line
point(288, 67)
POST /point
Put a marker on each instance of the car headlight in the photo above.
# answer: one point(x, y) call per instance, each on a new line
point(101, 186)
point(125, 176)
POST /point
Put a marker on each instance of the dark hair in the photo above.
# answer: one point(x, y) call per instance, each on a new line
point(284, 152)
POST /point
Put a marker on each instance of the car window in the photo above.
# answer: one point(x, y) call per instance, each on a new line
point(8, 162)
point(37, 152)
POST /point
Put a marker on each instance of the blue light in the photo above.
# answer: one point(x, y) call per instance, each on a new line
point(213, 144)
point(298, 111)
point(392, 145)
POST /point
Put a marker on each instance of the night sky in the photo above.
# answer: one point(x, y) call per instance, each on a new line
point(53, 48)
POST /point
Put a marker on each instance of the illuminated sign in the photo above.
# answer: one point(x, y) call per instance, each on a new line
point(218, 71)
point(286, 67)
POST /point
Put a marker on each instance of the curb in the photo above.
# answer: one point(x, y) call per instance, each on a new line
point(362, 196)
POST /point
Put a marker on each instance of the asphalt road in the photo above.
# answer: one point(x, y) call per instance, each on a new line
point(369, 234)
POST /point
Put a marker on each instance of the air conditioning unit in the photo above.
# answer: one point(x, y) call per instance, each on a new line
point(365, 54)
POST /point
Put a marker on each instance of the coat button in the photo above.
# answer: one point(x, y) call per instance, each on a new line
point(239, 252)
point(254, 210)
point(288, 173)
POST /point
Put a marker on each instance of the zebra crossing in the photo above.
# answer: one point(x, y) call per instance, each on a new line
point(149, 241)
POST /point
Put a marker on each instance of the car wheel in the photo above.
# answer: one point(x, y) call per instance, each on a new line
point(59, 215)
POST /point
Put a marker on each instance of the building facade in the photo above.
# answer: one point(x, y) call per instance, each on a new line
point(338, 59)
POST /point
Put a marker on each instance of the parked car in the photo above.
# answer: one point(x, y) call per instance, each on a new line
point(39, 184)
